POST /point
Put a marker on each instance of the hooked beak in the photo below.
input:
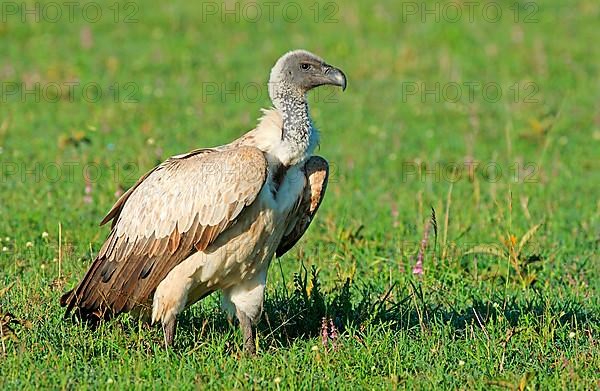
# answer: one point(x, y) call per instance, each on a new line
point(336, 77)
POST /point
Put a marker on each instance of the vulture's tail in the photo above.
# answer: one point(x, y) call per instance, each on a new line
point(87, 302)
point(66, 298)
point(76, 310)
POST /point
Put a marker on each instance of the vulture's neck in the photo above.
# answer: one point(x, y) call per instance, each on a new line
point(298, 133)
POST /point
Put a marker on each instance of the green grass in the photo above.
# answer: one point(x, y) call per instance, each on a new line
point(527, 319)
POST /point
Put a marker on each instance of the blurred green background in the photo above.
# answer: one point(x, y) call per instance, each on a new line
point(94, 94)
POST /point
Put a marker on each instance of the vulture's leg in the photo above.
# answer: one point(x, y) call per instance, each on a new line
point(245, 301)
point(247, 332)
point(169, 332)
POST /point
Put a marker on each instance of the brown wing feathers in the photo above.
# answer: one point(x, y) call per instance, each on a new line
point(316, 170)
point(130, 265)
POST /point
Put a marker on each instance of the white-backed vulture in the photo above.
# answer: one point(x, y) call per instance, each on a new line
point(213, 219)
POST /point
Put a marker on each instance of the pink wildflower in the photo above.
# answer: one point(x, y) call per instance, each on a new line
point(418, 268)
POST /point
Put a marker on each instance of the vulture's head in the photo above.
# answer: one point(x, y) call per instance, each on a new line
point(299, 71)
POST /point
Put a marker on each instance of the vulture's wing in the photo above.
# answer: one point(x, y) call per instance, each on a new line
point(316, 170)
point(176, 209)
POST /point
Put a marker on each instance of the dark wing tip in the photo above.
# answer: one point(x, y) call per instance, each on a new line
point(106, 220)
point(65, 299)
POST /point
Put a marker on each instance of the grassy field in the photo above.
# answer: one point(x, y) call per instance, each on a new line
point(489, 117)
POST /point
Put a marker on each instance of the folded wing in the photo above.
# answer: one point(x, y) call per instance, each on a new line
point(176, 209)
point(316, 170)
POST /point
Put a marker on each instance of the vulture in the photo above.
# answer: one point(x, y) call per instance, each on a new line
point(214, 218)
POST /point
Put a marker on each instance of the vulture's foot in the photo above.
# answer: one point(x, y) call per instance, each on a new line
point(169, 332)
point(248, 333)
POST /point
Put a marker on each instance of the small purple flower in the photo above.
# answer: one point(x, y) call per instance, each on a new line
point(333, 333)
point(324, 332)
point(87, 199)
point(418, 268)
point(329, 333)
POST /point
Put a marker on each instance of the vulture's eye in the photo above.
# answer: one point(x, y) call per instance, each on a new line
point(305, 66)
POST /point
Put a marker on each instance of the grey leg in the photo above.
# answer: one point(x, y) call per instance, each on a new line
point(248, 332)
point(169, 332)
